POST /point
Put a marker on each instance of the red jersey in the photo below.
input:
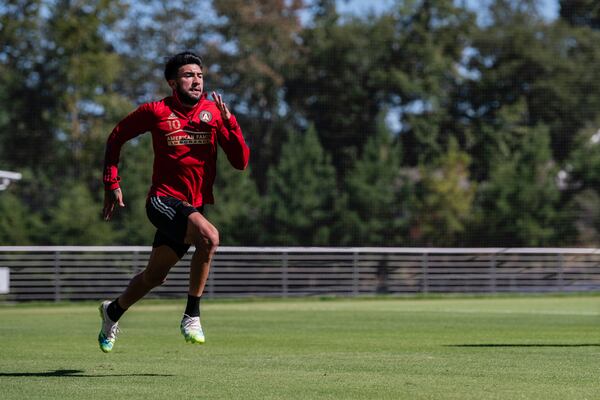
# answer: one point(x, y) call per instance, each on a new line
point(185, 147)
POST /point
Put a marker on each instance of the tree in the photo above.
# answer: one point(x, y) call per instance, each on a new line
point(375, 189)
point(59, 70)
point(424, 72)
point(518, 205)
point(83, 67)
point(581, 196)
point(582, 213)
point(237, 209)
point(581, 12)
point(403, 61)
point(301, 194)
point(519, 56)
point(19, 226)
point(583, 164)
point(28, 107)
point(444, 200)
point(332, 89)
point(76, 219)
point(253, 46)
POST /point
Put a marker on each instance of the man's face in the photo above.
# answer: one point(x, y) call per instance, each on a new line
point(189, 84)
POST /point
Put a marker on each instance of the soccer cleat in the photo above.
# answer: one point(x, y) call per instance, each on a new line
point(108, 330)
point(192, 330)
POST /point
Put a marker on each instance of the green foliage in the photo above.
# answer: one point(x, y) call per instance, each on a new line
point(374, 187)
point(423, 73)
point(496, 136)
point(584, 161)
point(77, 219)
point(18, 225)
point(580, 12)
point(519, 59)
point(301, 193)
point(582, 173)
point(444, 200)
point(486, 116)
point(518, 204)
point(264, 36)
point(83, 70)
point(583, 213)
point(237, 209)
point(29, 106)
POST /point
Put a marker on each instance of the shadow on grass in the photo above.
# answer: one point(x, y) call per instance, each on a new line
point(70, 373)
point(492, 345)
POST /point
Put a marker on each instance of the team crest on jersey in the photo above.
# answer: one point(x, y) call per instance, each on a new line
point(205, 116)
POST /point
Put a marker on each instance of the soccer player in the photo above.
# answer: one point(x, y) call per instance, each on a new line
point(185, 128)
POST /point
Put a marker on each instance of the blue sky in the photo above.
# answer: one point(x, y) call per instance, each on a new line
point(549, 8)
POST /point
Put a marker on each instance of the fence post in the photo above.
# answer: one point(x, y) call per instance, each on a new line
point(210, 282)
point(57, 287)
point(493, 273)
point(135, 260)
point(425, 269)
point(355, 273)
point(561, 282)
point(284, 274)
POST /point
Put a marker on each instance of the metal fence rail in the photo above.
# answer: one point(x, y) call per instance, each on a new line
point(86, 273)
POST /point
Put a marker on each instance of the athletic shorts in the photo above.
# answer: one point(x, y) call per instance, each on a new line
point(170, 217)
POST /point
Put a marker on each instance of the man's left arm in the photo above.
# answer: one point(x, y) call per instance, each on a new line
point(230, 136)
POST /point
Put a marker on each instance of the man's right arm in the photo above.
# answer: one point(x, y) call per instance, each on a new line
point(136, 123)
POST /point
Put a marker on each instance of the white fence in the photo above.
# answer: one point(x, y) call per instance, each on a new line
point(85, 273)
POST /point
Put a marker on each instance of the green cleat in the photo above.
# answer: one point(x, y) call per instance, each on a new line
point(192, 330)
point(108, 330)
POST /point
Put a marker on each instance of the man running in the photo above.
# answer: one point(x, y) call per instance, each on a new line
point(185, 128)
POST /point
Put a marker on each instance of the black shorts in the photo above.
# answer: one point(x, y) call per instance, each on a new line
point(170, 217)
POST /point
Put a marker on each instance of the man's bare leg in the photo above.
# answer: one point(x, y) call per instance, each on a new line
point(162, 259)
point(205, 237)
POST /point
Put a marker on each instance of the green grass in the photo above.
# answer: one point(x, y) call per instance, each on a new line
point(443, 348)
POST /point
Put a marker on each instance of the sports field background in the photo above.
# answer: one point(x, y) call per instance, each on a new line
point(532, 347)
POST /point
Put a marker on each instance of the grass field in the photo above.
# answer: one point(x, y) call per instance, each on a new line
point(443, 348)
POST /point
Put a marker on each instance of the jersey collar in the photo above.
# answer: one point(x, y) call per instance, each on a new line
point(188, 111)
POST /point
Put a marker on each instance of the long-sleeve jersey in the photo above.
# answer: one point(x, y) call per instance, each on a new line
point(185, 147)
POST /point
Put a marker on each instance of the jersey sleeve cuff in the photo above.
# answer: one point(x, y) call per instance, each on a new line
point(231, 122)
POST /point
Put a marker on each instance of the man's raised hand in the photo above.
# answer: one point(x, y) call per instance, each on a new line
point(225, 113)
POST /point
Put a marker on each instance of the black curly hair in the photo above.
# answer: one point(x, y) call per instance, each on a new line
point(173, 63)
